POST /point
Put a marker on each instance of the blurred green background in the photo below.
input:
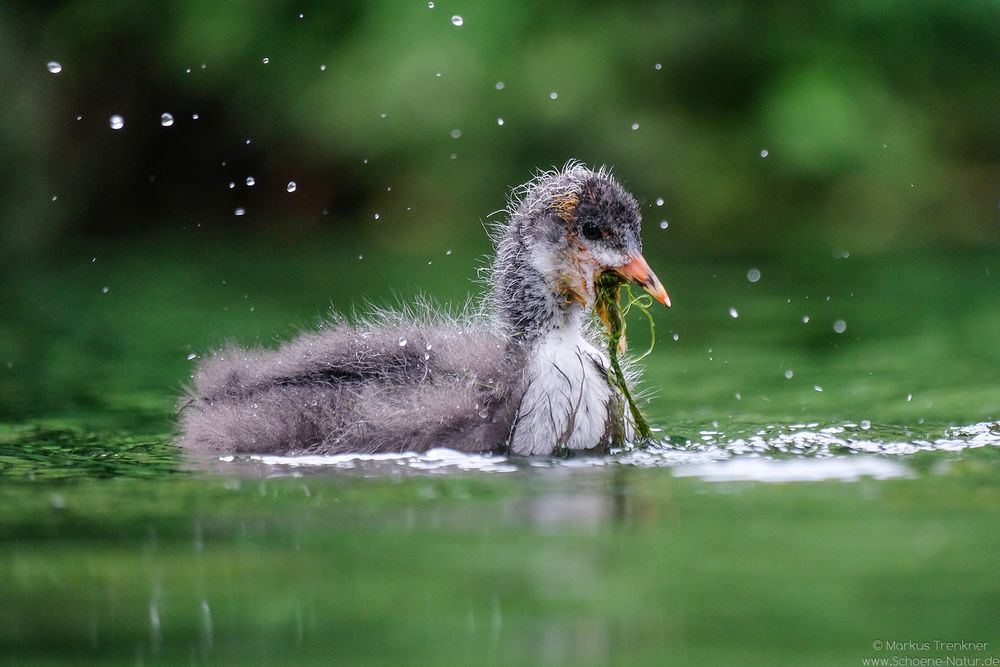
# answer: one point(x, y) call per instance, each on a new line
point(879, 120)
point(830, 219)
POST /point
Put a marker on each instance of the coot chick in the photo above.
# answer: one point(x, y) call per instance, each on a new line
point(524, 372)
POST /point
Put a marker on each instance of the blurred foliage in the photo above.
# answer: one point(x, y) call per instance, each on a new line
point(879, 119)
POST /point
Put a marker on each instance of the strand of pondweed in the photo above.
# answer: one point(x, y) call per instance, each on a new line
point(609, 309)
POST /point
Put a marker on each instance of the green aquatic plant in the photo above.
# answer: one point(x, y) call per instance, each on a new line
point(613, 313)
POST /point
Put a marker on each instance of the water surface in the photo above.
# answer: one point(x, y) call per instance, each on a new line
point(826, 476)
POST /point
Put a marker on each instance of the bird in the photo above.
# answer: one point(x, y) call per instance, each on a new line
point(523, 370)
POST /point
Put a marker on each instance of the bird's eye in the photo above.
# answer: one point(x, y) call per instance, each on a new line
point(591, 231)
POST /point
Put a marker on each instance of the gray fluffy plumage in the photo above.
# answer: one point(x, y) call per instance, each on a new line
point(412, 379)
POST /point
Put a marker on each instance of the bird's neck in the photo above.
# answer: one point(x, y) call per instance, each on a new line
point(527, 306)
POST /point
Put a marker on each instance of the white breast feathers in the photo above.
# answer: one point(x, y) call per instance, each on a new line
point(566, 401)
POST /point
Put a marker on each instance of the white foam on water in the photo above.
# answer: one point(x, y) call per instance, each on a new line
point(776, 454)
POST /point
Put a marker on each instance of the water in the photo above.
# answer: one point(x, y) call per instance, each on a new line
point(771, 524)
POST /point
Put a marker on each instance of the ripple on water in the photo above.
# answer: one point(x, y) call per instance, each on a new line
point(777, 453)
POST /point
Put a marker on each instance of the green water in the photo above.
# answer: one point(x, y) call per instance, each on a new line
point(115, 549)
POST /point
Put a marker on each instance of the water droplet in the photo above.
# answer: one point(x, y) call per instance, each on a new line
point(456, 133)
point(302, 16)
point(840, 326)
point(499, 121)
point(232, 184)
point(635, 126)
point(265, 60)
point(457, 21)
point(805, 319)
point(166, 119)
point(429, 346)
point(322, 68)
point(105, 289)
point(865, 424)
point(764, 153)
point(817, 387)
point(733, 313)
point(437, 74)
point(192, 356)
point(676, 337)
point(187, 70)
point(909, 397)
point(402, 342)
point(240, 211)
point(55, 197)
point(789, 374)
point(658, 66)
point(430, 5)
point(448, 252)
point(553, 95)
point(251, 181)
point(54, 67)
point(291, 186)
point(247, 142)
point(377, 216)
point(117, 122)
point(454, 156)
point(664, 224)
point(753, 275)
point(195, 116)
point(500, 85)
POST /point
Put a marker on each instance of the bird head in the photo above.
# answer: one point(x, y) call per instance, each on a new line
point(583, 225)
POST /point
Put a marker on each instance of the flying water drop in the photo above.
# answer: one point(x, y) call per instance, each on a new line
point(291, 187)
point(457, 21)
point(166, 119)
point(840, 326)
point(402, 342)
point(753, 275)
point(54, 67)
point(117, 122)
point(251, 181)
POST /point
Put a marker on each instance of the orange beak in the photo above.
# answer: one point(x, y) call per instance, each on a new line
point(638, 271)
